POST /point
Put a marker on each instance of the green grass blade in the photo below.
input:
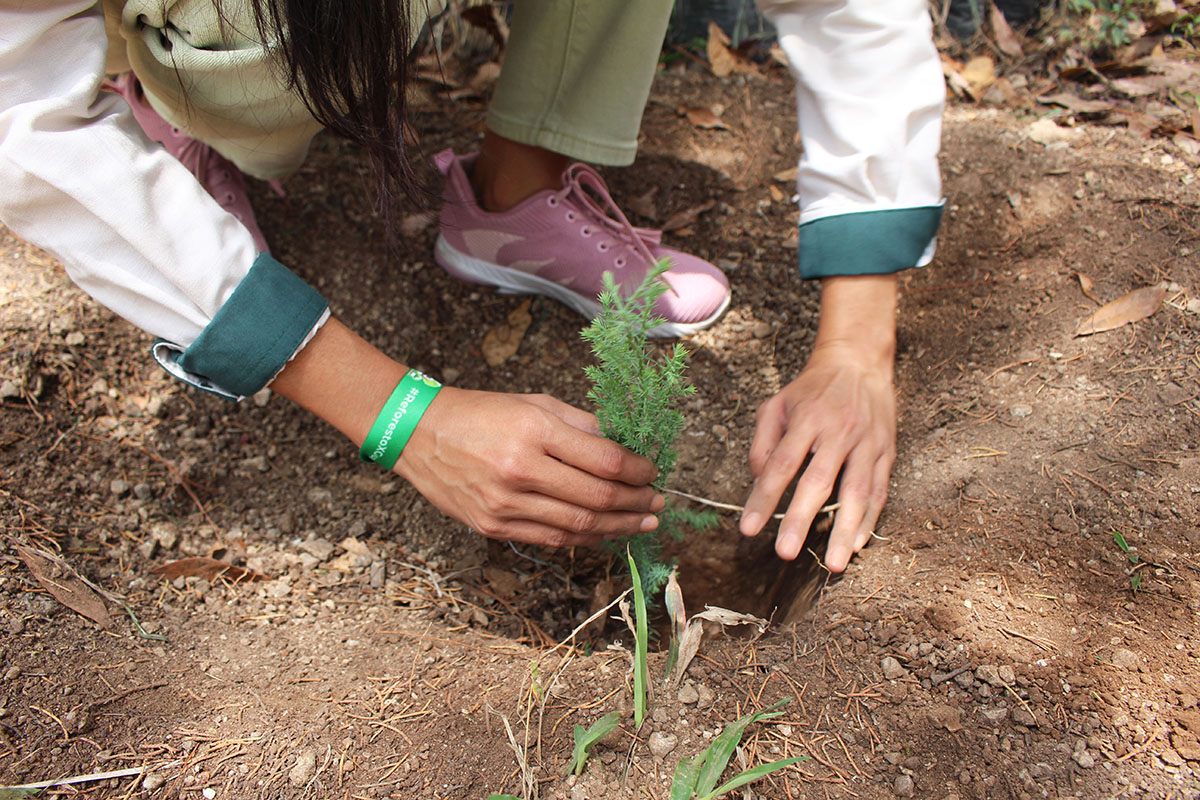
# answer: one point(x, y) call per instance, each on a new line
point(686, 773)
point(1120, 540)
point(584, 739)
point(639, 652)
point(722, 747)
point(501, 797)
point(751, 775)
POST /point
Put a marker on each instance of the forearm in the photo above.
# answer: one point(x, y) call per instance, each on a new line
point(341, 378)
point(858, 313)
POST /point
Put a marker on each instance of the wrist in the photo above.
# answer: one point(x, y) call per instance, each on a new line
point(858, 319)
point(342, 379)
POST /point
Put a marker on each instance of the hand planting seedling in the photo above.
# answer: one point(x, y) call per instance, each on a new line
point(637, 397)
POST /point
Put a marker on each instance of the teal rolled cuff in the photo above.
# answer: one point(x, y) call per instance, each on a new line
point(256, 331)
point(867, 242)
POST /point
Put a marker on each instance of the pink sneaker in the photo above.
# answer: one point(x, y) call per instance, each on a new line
point(219, 177)
point(560, 244)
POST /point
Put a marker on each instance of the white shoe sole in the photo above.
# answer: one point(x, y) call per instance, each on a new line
point(513, 281)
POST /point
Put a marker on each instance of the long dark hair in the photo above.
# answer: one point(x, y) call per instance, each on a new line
point(348, 60)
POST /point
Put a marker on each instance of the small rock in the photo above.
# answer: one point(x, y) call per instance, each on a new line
point(320, 549)
point(12, 673)
point(1041, 771)
point(1022, 716)
point(975, 491)
point(208, 793)
point(16, 626)
point(319, 497)
point(1063, 523)
point(1125, 659)
point(306, 765)
point(75, 338)
point(256, 463)
point(10, 390)
point(662, 743)
point(450, 375)
point(1085, 759)
point(964, 679)
point(119, 487)
point(1007, 674)
point(147, 548)
point(262, 397)
point(165, 533)
point(988, 674)
point(688, 694)
point(995, 716)
point(153, 781)
point(892, 669)
point(706, 697)
point(904, 786)
point(761, 330)
point(142, 491)
point(893, 758)
point(947, 716)
point(1021, 410)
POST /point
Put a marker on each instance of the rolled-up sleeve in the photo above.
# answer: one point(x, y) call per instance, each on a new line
point(132, 227)
point(870, 96)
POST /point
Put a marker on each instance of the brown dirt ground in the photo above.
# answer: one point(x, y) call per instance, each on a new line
point(390, 647)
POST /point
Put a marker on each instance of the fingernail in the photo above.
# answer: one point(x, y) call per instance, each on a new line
point(649, 523)
point(658, 503)
point(787, 546)
point(751, 523)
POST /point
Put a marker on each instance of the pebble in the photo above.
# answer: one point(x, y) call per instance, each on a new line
point(892, 669)
point(904, 786)
point(995, 716)
point(119, 487)
point(1022, 716)
point(262, 397)
point(319, 497)
point(10, 390)
point(209, 793)
point(688, 694)
point(12, 673)
point(153, 781)
point(142, 491)
point(1085, 759)
point(1041, 771)
point(1007, 674)
point(320, 549)
point(1021, 410)
point(988, 674)
point(662, 743)
point(1125, 659)
point(306, 765)
point(165, 533)
point(706, 696)
point(762, 330)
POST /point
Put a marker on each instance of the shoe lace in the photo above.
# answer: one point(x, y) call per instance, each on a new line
point(582, 186)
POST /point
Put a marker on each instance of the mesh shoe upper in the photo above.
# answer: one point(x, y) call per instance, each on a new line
point(569, 238)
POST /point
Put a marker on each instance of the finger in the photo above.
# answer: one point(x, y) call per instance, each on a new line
point(599, 456)
point(863, 538)
point(876, 499)
point(768, 430)
point(847, 522)
point(578, 520)
point(532, 532)
point(781, 468)
point(575, 417)
point(812, 491)
point(580, 488)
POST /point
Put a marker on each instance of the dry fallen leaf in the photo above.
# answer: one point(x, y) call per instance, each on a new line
point(787, 175)
point(644, 204)
point(1135, 306)
point(1077, 104)
point(778, 55)
point(1087, 284)
point(980, 72)
point(57, 579)
point(207, 568)
point(687, 216)
point(721, 60)
point(776, 193)
point(703, 117)
point(502, 342)
point(1006, 39)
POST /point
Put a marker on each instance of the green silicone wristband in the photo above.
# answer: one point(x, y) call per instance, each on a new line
point(396, 422)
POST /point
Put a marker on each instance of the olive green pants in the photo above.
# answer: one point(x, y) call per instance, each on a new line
point(575, 79)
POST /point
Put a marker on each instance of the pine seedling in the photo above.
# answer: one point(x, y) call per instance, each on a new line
point(637, 397)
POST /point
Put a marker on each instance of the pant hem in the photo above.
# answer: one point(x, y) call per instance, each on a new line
point(603, 153)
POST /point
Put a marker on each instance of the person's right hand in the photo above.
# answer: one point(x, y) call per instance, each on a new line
point(528, 468)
